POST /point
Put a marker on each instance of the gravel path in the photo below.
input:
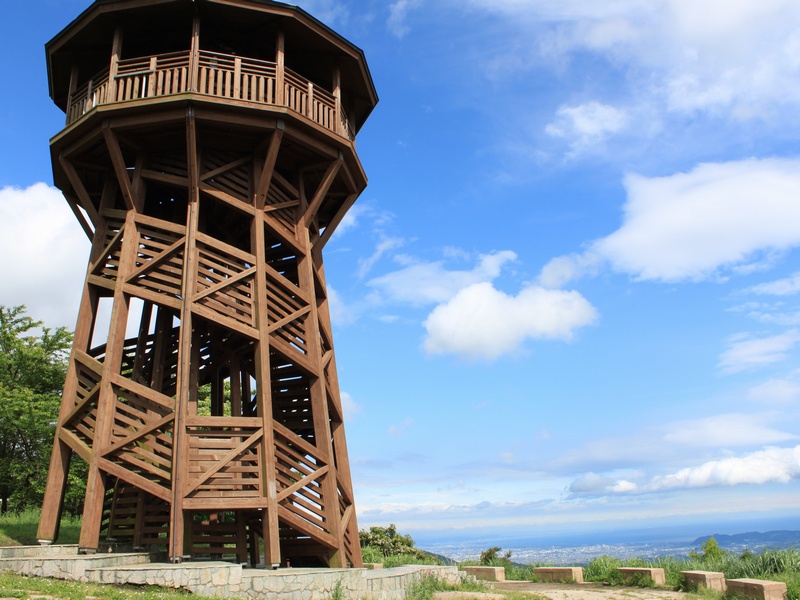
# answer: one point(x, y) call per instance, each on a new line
point(566, 591)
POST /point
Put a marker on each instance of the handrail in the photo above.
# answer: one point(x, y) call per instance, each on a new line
point(219, 75)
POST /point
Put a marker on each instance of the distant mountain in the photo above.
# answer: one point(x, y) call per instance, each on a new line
point(755, 539)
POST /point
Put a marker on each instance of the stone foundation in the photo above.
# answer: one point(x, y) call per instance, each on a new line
point(220, 579)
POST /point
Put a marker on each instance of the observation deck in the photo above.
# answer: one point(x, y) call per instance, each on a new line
point(258, 83)
point(250, 54)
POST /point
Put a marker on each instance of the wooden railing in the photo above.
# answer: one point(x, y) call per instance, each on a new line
point(218, 75)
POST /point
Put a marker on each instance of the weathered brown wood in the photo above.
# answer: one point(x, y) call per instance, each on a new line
point(116, 49)
point(189, 170)
point(280, 76)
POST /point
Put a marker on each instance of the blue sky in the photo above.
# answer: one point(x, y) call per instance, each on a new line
point(569, 298)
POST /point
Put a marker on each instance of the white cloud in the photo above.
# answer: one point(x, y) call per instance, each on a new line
point(351, 219)
point(563, 269)
point(44, 252)
point(427, 283)
point(398, 15)
point(385, 245)
point(776, 391)
point(330, 12)
point(769, 465)
point(752, 353)
point(782, 287)
point(780, 465)
point(586, 125)
point(399, 429)
point(482, 322)
point(690, 226)
point(725, 431)
point(350, 407)
point(740, 57)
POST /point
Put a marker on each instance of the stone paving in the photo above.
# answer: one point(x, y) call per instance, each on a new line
point(219, 579)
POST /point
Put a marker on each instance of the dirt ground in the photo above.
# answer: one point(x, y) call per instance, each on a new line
point(566, 591)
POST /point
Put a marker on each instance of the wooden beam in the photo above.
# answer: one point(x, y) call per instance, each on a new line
point(120, 169)
point(222, 461)
point(262, 186)
point(322, 191)
point(73, 204)
point(180, 452)
point(80, 189)
point(334, 223)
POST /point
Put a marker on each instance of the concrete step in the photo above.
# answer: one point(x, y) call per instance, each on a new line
point(34, 551)
point(69, 566)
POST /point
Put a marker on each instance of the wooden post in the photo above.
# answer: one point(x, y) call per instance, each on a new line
point(337, 95)
point(280, 71)
point(96, 480)
point(180, 442)
point(194, 54)
point(237, 78)
point(151, 81)
point(73, 85)
point(116, 50)
point(268, 474)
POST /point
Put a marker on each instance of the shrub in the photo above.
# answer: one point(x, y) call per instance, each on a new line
point(385, 545)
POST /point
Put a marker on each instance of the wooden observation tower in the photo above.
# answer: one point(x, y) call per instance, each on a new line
point(209, 154)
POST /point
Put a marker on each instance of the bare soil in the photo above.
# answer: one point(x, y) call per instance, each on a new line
point(566, 591)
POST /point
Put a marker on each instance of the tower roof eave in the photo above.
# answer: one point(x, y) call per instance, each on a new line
point(91, 27)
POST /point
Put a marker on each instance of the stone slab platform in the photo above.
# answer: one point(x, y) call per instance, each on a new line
point(653, 573)
point(487, 573)
point(222, 579)
point(713, 580)
point(757, 588)
point(559, 574)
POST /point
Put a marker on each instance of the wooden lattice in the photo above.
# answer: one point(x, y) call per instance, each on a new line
point(206, 404)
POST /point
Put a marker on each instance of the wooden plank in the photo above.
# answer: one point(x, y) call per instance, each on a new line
point(247, 422)
point(236, 451)
point(226, 167)
point(296, 440)
point(76, 444)
point(151, 264)
point(228, 322)
point(151, 296)
point(302, 483)
point(135, 479)
point(305, 527)
point(109, 249)
point(289, 318)
point(225, 248)
point(225, 503)
point(137, 388)
point(139, 434)
point(165, 178)
point(160, 224)
point(227, 199)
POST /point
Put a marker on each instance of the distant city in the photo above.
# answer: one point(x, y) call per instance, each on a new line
point(574, 549)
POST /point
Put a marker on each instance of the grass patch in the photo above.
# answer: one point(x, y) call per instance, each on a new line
point(430, 584)
point(771, 565)
point(19, 529)
point(17, 586)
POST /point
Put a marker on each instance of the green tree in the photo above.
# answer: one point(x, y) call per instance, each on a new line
point(388, 542)
point(33, 364)
point(490, 557)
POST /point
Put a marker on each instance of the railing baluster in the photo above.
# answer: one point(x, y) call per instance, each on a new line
point(237, 76)
point(151, 89)
point(219, 75)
